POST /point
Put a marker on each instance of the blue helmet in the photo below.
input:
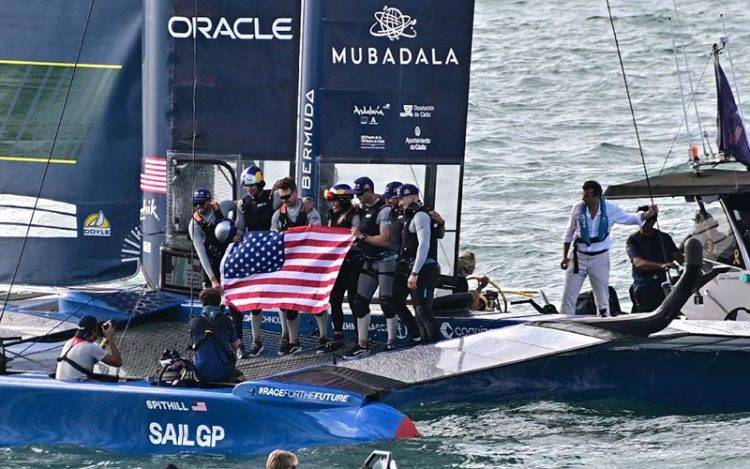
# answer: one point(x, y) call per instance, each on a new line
point(252, 175)
point(391, 190)
point(225, 231)
point(201, 196)
point(363, 184)
point(339, 191)
point(407, 189)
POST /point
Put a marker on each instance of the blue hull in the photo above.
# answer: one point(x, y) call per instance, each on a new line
point(700, 380)
point(252, 418)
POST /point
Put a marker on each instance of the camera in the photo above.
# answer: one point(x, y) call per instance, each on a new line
point(101, 326)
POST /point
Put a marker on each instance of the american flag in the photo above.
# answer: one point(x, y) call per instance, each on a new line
point(199, 406)
point(293, 270)
point(154, 176)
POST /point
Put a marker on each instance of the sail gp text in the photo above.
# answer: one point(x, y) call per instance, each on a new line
point(181, 434)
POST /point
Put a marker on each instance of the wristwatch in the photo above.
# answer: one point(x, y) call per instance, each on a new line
point(415, 274)
point(364, 236)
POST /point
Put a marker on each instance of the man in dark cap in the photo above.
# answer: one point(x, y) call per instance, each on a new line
point(80, 354)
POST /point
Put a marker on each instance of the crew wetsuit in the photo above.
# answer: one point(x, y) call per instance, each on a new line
point(210, 250)
point(400, 277)
point(377, 271)
point(254, 213)
point(419, 256)
point(346, 282)
point(286, 217)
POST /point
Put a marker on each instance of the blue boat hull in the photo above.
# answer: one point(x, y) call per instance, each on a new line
point(252, 418)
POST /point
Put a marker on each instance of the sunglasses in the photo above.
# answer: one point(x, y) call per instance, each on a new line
point(286, 196)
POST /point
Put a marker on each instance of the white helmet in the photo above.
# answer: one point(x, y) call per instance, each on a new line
point(251, 175)
point(225, 231)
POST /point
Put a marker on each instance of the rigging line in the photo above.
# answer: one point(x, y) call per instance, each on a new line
point(635, 125)
point(132, 313)
point(677, 134)
point(679, 80)
point(731, 65)
point(690, 81)
point(192, 150)
point(49, 159)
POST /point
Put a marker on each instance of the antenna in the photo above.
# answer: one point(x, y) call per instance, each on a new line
point(725, 39)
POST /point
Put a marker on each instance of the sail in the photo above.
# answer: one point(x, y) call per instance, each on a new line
point(85, 224)
point(731, 137)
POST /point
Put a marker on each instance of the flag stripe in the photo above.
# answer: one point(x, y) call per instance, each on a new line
point(302, 281)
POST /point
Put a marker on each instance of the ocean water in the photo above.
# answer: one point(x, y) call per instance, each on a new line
point(547, 111)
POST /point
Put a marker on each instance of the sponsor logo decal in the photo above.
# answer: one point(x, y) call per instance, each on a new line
point(97, 224)
point(368, 114)
point(418, 143)
point(182, 27)
point(308, 126)
point(149, 209)
point(166, 405)
point(297, 394)
point(372, 142)
point(448, 331)
point(181, 434)
point(393, 24)
point(415, 110)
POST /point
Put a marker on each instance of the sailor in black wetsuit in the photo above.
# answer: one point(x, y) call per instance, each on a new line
point(254, 212)
point(400, 290)
point(418, 258)
point(294, 212)
point(373, 233)
point(343, 214)
point(207, 216)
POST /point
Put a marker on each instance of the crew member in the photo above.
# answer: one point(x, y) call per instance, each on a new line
point(373, 235)
point(652, 254)
point(343, 214)
point(214, 342)
point(418, 257)
point(254, 212)
point(588, 230)
point(292, 213)
point(207, 216)
point(400, 289)
point(80, 354)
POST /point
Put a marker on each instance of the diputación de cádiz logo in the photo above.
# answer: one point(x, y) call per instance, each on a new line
point(96, 224)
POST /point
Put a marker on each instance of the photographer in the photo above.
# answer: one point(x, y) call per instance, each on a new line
point(80, 354)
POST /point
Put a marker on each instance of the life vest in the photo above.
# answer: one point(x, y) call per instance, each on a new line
point(338, 220)
point(397, 224)
point(285, 222)
point(409, 240)
point(214, 248)
point(583, 223)
point(369, 226)
point(258, 211)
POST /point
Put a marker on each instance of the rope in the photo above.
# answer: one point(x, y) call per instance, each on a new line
point(635, 124)
point(49, 159)
point(731, 65)
point(679, 81)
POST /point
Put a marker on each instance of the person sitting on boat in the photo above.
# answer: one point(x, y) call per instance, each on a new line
point(280, 459)
point(343, 214)
point(293, 213)
point(588, 231)
point(208, 216)
point(254, 212)
point(652, 254)
point(80, 354)
point(400, 278)
point(373, 235)
point(213, 339)
point(418, 259)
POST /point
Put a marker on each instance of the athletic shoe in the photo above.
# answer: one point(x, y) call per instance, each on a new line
point(390, 347)
point(241, 353)
point(255, 351)
point(356, 352)
point(283, 348)
point(294, 348)
point(416, 340)
point(323, 346)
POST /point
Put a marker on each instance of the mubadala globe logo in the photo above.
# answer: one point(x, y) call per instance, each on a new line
point(393, 24)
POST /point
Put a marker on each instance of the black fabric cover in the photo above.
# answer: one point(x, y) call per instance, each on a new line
point(710, 182)
point(332, 376)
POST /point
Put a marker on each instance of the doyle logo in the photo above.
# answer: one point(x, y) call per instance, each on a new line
point(393, 24)
point(298, 394)
point(181, 434)
point(182, 27)
point(96, 224)
point(149, 209)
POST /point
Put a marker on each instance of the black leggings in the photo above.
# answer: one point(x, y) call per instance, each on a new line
point(422, 299)
point(346, 282)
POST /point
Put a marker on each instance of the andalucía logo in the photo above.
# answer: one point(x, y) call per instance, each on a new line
point(393, 24)
point(96, 224)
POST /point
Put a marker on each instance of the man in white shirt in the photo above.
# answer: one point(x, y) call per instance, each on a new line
point(80, 354)
point(588, 232)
